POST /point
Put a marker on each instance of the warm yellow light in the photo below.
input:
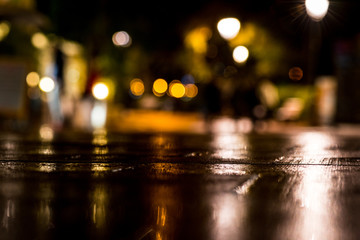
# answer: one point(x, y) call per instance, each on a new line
point(317, 9)
point(191, 90)
point(47, 84)
point(137, 87)
point(240, 54)
point(228, 27)
point(197, 39)
point(46, 132)
point(177, 89)
point(160, 86)
point(4, 30)
point(32, 79)
point(121, 39)
point(71, 49)
point(39, 40)
point(100, 91)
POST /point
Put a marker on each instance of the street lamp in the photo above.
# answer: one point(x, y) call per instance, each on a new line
point(47, 84)
point(240, 54)
point(100, 91)
point(316, 9)
point(228, 28)
point(121, 39)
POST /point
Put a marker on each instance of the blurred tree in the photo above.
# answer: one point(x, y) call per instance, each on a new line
point(207, 55)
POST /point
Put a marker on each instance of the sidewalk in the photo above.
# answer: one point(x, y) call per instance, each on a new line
point(130, 120)
point(140, 121)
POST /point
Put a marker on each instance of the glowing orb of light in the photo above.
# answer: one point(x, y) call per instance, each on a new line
point(47, 84)
point(121, 39)
point(228, 28)
point(177, 89)
point(137, 87)
point(160, 86)
point(240, 54)
point(100, 91)
point(317, 9)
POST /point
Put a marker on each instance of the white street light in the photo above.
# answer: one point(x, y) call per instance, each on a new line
point(240, 54)
point(121, 39)
point(100, 91)
point(47, 84)
point(317, 9)
point(228, 28)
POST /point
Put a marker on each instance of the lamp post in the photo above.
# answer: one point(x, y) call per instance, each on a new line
point(325, 89)
point(316, 10)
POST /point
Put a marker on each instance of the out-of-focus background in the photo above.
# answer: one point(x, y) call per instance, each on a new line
point(178, 65)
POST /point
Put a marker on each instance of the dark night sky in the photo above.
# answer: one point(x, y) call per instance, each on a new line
point(160, 24)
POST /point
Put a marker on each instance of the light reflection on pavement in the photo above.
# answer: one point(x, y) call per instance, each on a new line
point(294, 185)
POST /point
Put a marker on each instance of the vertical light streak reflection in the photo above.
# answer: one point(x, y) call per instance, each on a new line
point(162, 145)
point(229, 211)
point(316, 217)
point(161, 216)
point(316, 214)
point(9, 214)
point(315, 144)
point(47, 135)
point(9, 147)
point(229, 146)
point(164, 204)
point(99, 199)
point(100, 137)
point(10, 192)
point(45, 211)
point(100, 141)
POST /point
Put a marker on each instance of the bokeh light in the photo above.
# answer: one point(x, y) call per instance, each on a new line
point(71, 49)
point(176, 89)
point(240, 54)
point(137, 87)
point(98, 115)
point(47, 84)
point(100, 91)
point(32, 79)
point(296, 73)
point(121, 39)
point(245, 125)
point(191, 90)
point(4, 29)
point(197, 39)
point(160, 86)
point(46, 132)
point(228, 28)
point(317, 9)
point(39, 40)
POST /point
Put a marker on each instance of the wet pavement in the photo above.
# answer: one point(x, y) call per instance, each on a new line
point(292, 185)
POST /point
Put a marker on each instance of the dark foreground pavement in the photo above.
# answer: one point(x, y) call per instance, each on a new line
point(300, 185)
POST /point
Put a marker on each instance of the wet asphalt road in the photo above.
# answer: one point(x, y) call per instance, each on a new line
point(301, 185)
